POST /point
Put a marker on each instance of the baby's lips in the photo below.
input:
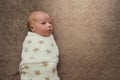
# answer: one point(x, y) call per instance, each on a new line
point(50, 30)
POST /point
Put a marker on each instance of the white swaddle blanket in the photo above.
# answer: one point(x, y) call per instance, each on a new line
point(39, 58)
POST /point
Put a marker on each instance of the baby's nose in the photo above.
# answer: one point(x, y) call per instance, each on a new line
point(49, 25)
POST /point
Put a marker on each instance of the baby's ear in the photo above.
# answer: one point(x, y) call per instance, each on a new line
point(28, 26)
point(31, 28)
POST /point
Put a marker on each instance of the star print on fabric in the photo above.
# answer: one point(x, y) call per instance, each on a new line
point(47, 78)
point(23, 72)
point(31, 57)
point(36, 49)
point(53, 70)
point(26, 67)
point(41, 42)
point(52, 45)
point(37, 72)
point(48, 51)
point(44, 63)
point(29, 41)
point(29, 79)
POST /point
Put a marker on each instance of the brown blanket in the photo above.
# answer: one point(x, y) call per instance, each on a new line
point(87, 33)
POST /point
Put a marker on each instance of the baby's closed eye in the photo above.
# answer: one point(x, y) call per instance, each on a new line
point(43, 23)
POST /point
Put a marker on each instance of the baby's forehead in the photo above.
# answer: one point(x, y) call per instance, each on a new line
point(36, 14)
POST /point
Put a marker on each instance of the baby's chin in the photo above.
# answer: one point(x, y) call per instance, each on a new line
point(47, 35)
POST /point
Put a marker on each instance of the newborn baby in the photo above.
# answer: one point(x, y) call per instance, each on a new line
point(40, 52)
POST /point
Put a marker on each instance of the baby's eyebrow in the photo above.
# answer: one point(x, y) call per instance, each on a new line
point(49, 20)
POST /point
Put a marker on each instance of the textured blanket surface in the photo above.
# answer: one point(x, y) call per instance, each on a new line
point(87, 33)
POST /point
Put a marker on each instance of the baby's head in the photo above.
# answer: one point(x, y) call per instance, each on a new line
point(39, 22)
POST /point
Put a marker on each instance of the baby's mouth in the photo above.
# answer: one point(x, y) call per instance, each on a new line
point(49, 30)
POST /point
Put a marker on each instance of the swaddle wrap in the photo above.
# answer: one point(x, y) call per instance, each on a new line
point(39, 58)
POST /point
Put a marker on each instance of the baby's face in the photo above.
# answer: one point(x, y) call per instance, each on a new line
point(41, 24)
